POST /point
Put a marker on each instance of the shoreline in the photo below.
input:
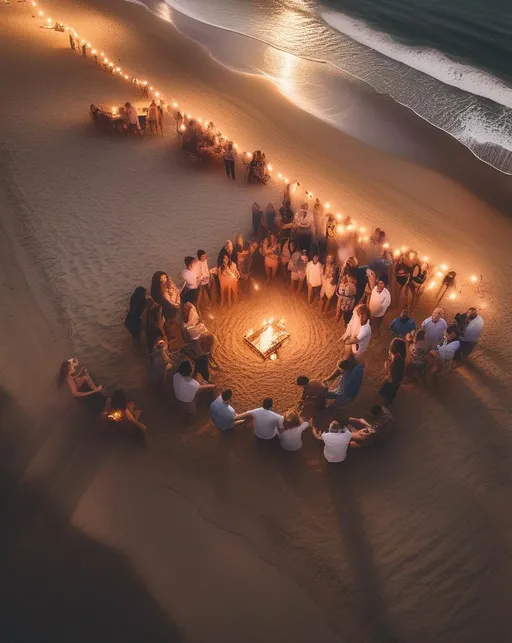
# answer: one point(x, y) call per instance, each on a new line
point(368, 537)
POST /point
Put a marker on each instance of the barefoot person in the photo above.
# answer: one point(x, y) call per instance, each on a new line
point(228, 278)
point(265, 422)
point(303, 226)
point(297, 268)
point(230, 155)
point(203, 278)
point(346, 291)
point(153, 117)
point(190, 289)
point(394, 368)
point(366, 434)
point(313, 397)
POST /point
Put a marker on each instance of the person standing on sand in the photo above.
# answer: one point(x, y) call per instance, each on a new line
point(230, 155)
point(266, 423)
point(190, 289)
point(403, 325)
point(330, 275)
point(314, 278)
point(350, 373)
point(270, 250)
point(132, 118)
point(223, 414)
point(153, 117)
point(71, 42)
point(434, 327)
point(346, 290)
point(394, 368)
point(380, 300)
point(358, 333)
point(336, 441)
point(313, 397)
point(297, 267)
point(203, 278)
point(471, 326)
point(303, 227)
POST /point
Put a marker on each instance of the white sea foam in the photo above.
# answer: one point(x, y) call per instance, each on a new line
point(428, 61)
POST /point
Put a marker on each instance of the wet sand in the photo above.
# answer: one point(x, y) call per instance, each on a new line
point(211, 538)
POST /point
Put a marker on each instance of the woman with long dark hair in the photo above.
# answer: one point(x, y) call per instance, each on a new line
point(154, 324)
point(133, 319)
point(165, 293)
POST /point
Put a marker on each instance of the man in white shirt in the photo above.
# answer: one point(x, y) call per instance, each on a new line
point(265, 422)
point(336, 441)
point(186, 387)
point(434, 327)
point(190, 288)
point(359, 331)
point(471, 326)
point(314, 278)
point(203, 276)
point(303, 223)
point(380, 299)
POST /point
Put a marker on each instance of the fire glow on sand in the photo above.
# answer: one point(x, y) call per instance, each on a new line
point(268, 338)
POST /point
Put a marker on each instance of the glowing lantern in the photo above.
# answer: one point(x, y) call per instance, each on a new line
point(473, 278)
point(444, 267)
point(273, 357)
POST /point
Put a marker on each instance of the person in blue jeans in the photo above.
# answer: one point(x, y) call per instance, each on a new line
point(350, 373)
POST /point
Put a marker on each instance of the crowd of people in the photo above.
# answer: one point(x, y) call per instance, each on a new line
point(129, 119)
point(363, 280)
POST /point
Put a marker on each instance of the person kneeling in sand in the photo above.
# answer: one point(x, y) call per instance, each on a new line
point(120, 411)
point(336, 441)
point(223, 414)
point(350, 373)
point(365, 434)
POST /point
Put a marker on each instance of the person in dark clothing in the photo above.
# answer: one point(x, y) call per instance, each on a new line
point(133, 319)
point(394, 368)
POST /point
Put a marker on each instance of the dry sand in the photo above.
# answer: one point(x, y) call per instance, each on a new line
point(203, 537)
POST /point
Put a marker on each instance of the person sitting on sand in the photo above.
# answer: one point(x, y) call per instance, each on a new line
point(358, 333)
point(297, 267)
point(434, 327)
point(153, 117)
point(471, 326)
point(228, 279)
point(290, 434)
point(365, 434)
point(403, 325)
point(313, 397)
point(186, 387)
point(120, 411)
point(132, 118)
point(133, 319)
point(223, 414)
point(394, 369)
point(265, 422)
point(350, 373)
point(81, 386)
point(336, 440)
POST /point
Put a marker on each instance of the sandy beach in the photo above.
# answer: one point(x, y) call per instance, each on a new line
point(203, 537)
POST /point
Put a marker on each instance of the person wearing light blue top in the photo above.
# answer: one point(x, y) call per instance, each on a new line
point(223, 414)
point(402, 325)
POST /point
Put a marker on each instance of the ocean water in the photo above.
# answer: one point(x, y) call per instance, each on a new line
point(449, 62)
